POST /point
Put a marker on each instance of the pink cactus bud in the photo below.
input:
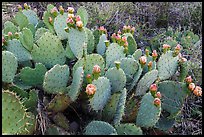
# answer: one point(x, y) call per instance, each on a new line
point(188, 80)
point(149, 64)
point(90, 89)
point(154, 54)
point(166, 46)
point(124, 39)
point(70, 21)
point(19, 7)
point(50, 20)
point(113, 35)
point(70, 10)
point(118, 37)
point(96, 69)
point(79, 24)
point(101, 28)
point(157, 102)
point(180, 55)
point(178, 47)
point(78, 18)
point(88, 76)
point(126, 44)
point(10, 34)
point(153, 88)
point(182, 60)
point(128, 27)
point(133, 29)
point(25, 5)
point(191, 86)
point(53, 10)
point(197, 91)
point(119, 32)
point(143, 60)
point(147, 52)
point(158, 95)
point(3, 39)
point(70, 16)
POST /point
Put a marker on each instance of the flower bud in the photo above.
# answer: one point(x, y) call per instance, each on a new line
point(191, 86)
point(119, 32)
point(178, 47)
point(79, 24)
point(154, 55)
point(50, 20)
point(19, 7)
point(96, 69)
point(166, 47)
point(107, 43)
point(147, 52)
point(70, 10)
point(197, 91)
point(157, 102)
point(70, 16)
point(132, 30)
point(143, 60)
point(25, 6)
point(16, 35)
point(78, 18)
point(188, 80)
point(124, 39)
point(88, 78)
point(158, 95)
point(66, 29)
point(61, 10)
point(117, 64)
point(182, 60)
point(126, 44)
point(90, 89)
point(70, 21)
point(153, 88)
point(150, 65)
point(54, 11)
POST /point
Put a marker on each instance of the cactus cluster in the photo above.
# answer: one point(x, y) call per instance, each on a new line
point(123, 89)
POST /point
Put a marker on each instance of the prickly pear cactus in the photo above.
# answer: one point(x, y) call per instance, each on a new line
point(31, 16)
point(148, 113)
point(21, 20)
point(40, 32)
point(90, 43)
point(59, 26)
point(18, 50)
point(9, 66)
point(167, 65)
point(145, 82)
point(103, 93)
point(137, 54)
point(132, 45)
point(9, 27)
point(99, 128)
point(26, 38)
point(83, 14)
point(34, 76)
point(20, 122)
point(128, 129)
point(173, 95)
point(101, 47)
point(49, 50)
point(114, 52)
point(55, 80)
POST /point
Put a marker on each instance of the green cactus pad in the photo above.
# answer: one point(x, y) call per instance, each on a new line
point(101, 46)
point(89, 63)
point(145, 82)
point(128, 129)
point(31, 16)
point(165, 123)
point(131, 69)
point(132, 45)
point(149, 58)
point(114, 109)
point(18, 82)
point(40, 32)
point(184, 68)
point(83, 14)
point(114, 52)
point(136, 77)
point(96, 36)
point(137, 54)
point(76, 40)
point(40, 24)
point(167, 65)
point(99, 128)
point(9, 27)
point(46, 16)
point(32, 28)
point(55, 80)
point(117, 78)
point(59, 103)
point(173, 95)
point(77, 81)
point(21, 20)
point(172, 43)
point(148, 113)
point(18, 50)
point(20, 122)
point(59, 26)
point(9, 66)
point(55, 130)
point(90, 44)
point(68, 52)
point(103, 93)
point(26, 38)
point(19, 91)
point(34, 76)
point(49, 50)
point(61, 120)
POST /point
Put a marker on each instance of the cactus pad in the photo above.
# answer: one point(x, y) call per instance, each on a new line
point(20, 122)
point(59, 25)
point(167, 65)
point(31, 16)
point(49, 50)
point(61, 120)
point(101, 47)
point(103, 93)
point(148, 113)
point(68, 52)
point(9, 27)
point(21, 20)
point(90, 37)
point(132, 45)
point(55, 80)
point(26, 38)
point(9, 66)
point(145, 82)
point(75, 87)
point(137, 54)
point(173, 95)
point(128, 129)
point(40, 32)
point(18, 50)
point(117, 78)
point(34, 76)
point(99, 128)
point(46, 16)
point(114, 52)
point(83, 14)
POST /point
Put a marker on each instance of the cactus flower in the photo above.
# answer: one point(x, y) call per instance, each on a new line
point(78, 18)
point(101, 28)
point(197, 91)
point(70, 10)
point(79, 24)
point(96, 69)
point(153, 88)
point(90, 89)
point(158, 95)
point(188, 80)
point(143, 60)
point(154, 55)
point(157, 102)
point(113, 35)
point(191, 86)
point(10, 34)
